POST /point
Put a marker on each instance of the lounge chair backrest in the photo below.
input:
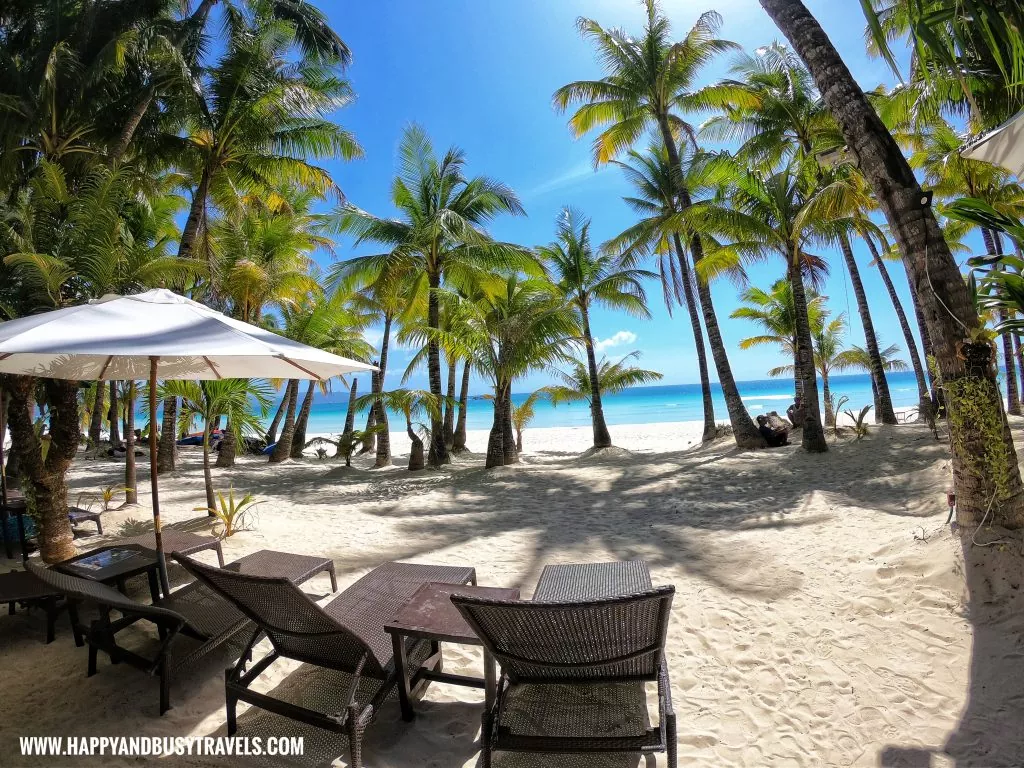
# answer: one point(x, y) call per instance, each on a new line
point(617, 638)
point(101, 594)
point(294, 623)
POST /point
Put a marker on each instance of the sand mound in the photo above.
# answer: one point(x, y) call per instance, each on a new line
point(612, 453)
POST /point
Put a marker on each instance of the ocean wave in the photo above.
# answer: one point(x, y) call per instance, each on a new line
point(756, 398)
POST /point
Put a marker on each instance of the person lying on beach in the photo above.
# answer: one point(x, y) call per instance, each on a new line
point(774, 437)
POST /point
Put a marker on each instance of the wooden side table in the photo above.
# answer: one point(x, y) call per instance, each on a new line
point(430, 615)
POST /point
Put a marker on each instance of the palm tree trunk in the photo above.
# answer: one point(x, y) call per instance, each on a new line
point(508, 435)
point(416, 447)
point(1012, 393)
point(710, 428)
point(299, 437)
point(924, 399)
point(114, 417)
point(449, 407)
point(602, 438)
point(350, 414)
point(271, 435)
point(283, 448)
point(459, 443)
point(826, 394)
point(43, 480)
point(211, 502)
point(1019, 352)
point(195, 216)
point(228, 448)
point(96, 418)
point(369, 433)
point(131, 125)
point(949, 315)
point(383, 458)
point(813, 439)
point(167, 455)
point(438, 454)
point(884, 412)
point(496, 440)
point(744, 431)
point(131, 494)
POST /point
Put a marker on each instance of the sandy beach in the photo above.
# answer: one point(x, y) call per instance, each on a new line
point(819, 617)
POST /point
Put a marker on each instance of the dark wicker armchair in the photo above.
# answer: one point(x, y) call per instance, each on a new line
point(346, 635)
point(573, 674)
point(192, 622)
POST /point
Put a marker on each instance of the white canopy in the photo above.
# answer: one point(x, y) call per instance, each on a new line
point(1003, 147)
point(116, 337)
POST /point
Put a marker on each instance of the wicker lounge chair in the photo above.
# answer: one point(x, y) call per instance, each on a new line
point(77, 516)
point(192, 622)
point(346, 635)
point(22, 588)
point(573, 675)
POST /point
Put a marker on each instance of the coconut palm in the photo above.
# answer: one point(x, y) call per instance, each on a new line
point(327, 322)
point(243, 402)
point(775, 313)
point(258, 118)
point(514, 327)
point(587, 280)
point(768, 216)
point(658, 232)
point(579, 383)
point(828, 347)
point(649, 81)
point(771, 107)
point(440, 237)
point(411, 403)
point(947, 308)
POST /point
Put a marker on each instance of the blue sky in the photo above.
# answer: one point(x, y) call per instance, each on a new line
point(480, 74)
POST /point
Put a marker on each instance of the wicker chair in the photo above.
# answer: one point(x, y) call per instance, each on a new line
point(347, 635)
point(192, 622)
point(573, 675)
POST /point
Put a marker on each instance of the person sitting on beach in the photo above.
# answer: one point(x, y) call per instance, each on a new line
point(795, 412)
point(774, 437)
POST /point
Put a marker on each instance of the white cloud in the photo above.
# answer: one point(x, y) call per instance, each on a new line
point(618, 339)
point(583, 172)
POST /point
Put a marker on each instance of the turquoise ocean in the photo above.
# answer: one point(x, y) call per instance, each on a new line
point(645, 405)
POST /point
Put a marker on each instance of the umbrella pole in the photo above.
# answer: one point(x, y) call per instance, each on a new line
point(162, 562)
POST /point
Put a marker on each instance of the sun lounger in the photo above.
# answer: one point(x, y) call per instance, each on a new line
point(77, 516)
point(22, 588)
point(573, 674)
point(192, 622)
point(346, 635)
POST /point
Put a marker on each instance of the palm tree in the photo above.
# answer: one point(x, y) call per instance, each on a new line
point(579, 383)
point(232, 399)
point(843, 197)
point(769, 216)
point(387, 291)
point(587, 280)
point(440, 237)
point(828, 347)
point(70, 245)
point(658, 232)
point(649, 81)
point(523, 414)
point(774, 311)
point(517, 325)
point(772, 108)
point(857, 358)
point(948, 311)
point(327, 322)
point(411, 403)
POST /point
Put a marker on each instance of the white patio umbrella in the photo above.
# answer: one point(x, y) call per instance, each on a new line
point(1003, 146)
point(156, 335)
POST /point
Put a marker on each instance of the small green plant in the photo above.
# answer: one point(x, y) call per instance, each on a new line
point(234, 515)
point(860, 425)
point(109, 492)
point(837, 408)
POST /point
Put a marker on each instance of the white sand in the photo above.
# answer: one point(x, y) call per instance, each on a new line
point(818, 617)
